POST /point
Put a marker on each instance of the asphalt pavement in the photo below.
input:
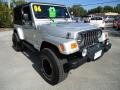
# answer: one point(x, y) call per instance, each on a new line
point(17, 71)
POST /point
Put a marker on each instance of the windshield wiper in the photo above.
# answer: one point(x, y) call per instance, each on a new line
point(51, 19)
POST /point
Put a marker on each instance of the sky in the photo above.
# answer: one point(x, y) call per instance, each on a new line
point(85, 3)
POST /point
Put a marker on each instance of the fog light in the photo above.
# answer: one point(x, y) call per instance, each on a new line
point(84, 52)
point(107, 42)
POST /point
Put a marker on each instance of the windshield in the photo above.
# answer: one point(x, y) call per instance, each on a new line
point(49, 11)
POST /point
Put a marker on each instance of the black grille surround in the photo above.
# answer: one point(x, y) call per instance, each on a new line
point(88, 38)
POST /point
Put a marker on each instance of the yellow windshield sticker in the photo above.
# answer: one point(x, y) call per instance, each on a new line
point(37, 8)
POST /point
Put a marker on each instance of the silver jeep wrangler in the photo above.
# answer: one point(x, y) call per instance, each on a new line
point(62, 43)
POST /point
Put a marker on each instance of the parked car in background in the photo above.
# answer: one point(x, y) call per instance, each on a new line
point(109, 21)
point(87, 18)
point(77, 19)
point(98, 21)
point(109, 18)
point(116, 23)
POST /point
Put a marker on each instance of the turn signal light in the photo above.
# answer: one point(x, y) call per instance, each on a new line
point(74, 45)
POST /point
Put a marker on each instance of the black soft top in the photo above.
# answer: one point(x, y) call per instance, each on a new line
point(20, 6)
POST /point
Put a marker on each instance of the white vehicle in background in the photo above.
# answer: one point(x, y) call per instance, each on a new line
point(87, 18)
point(98, 21)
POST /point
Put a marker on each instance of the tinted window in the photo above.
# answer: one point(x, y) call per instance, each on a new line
point(93, 19)
point(26, 10)
point(98, 18)
point(17, 16)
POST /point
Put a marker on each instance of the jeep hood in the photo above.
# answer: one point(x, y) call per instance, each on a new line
point(63, 28)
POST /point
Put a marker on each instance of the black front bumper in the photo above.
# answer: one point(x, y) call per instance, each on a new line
point(76, 62)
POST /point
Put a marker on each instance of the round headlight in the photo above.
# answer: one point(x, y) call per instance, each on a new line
point(99, 33)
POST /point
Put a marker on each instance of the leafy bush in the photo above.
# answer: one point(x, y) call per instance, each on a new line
point(5, 16)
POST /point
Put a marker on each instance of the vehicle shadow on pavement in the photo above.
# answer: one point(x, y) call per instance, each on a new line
point(115, 33)
point(34, 58)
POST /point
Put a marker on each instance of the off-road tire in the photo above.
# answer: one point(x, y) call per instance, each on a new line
point(17, 43)
point(56, 64)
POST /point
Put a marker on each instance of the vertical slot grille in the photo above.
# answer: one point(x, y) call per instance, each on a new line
point(88, 38)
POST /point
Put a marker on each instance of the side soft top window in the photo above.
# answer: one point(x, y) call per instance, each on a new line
point(26, 14)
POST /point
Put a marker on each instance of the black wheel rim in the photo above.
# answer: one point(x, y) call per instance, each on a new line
point(47, 68)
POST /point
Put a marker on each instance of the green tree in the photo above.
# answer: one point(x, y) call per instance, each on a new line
point(5, 16)
point(117, 8)
point(77, 10)
point(19, 2)
point(6, 13)
point(108, 9)
point(1, 2)
point(98, 9)
point(105, 9)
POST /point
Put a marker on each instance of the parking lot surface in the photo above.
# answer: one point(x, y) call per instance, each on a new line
point(17, 70)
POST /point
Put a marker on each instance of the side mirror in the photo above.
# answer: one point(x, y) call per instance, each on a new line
point(25, 16)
